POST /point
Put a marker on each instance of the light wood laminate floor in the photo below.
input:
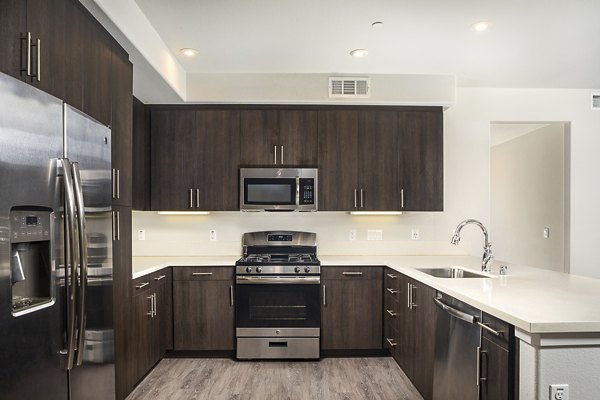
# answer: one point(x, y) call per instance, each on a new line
point(328, 379)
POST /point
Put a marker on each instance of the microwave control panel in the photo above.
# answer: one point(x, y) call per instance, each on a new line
point(307, 191)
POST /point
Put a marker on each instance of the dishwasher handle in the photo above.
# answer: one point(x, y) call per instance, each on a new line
point(454, 312)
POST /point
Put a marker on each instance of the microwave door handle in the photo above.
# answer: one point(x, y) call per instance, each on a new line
point(82, 233)
point(297, 191)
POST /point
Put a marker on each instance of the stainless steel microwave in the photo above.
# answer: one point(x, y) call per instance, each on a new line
point(278, 189)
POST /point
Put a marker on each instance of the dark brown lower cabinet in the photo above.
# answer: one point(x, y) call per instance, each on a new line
point(351, 308)
point(497, 360)
point(151, 323)
point(203, 308)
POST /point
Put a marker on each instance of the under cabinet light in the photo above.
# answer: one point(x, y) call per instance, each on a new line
point(375, 212)
point(183, 212)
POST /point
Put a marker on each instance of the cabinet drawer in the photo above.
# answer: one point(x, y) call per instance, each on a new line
point(499, 326)
point(351, 272)
point(202, 273)
point(148, 282)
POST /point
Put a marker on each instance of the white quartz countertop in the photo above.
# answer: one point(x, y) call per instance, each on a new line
point(532, 299)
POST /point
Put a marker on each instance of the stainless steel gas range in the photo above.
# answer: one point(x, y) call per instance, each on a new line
point(278, 310)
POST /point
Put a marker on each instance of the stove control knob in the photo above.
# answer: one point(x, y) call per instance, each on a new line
point(297, 270)
point(248, 269)
point(307, 269)
point(258, 269)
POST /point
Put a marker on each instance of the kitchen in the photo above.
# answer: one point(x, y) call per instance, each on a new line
point(416, 146)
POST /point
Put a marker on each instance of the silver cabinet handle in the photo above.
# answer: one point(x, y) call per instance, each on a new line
point(114, 225)
point(231, 295)
point(154, 304)
point(118, 225)
point(114, 183)
point(27, 68)
point(118, 183)
point(408, 291)
point(281, 154)
point(191, 198)
point(402, 198)
point(412, 296)
point(391, 342)
point(159, 278)
point(275, 153)
point(324, 295)
point(362, 203)
point(352, 273)
point(492, 331)
point(391, 312)
point(392, 291)
point(201, 273)
point(39, 63)
point(478, 372)
point(392, 276)
point(355, 198)
point(142, 285)
point(151, 313)
point(197, 198)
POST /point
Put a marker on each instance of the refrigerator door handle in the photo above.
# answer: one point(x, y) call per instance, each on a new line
point(70, 259)
point(82, 233)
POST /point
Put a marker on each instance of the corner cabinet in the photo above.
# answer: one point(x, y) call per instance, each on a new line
point(351, 308)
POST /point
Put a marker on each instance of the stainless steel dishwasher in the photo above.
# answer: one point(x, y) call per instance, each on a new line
point(457, 347)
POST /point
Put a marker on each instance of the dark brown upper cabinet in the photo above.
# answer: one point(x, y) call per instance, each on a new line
point(141, 157)
point(195, 160)
point(97, 72)
point(282, 138)
point(32, 37)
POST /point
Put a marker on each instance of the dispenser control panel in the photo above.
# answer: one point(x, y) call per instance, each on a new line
point(29, 226)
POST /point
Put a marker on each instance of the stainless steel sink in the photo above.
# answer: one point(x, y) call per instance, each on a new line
point(453, 272)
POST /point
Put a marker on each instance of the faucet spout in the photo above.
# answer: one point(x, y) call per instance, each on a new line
point(487, 247)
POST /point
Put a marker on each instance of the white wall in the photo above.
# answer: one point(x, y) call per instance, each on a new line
point(527, 195)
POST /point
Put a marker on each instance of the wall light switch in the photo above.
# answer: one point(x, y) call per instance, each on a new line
point(546, 233)
point(141, 234)
point(374, 234)
point(213, 235)
point(352, 234)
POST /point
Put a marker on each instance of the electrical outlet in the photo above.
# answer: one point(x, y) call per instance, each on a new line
point(141, 234)
point(213, 235)
point(414, 234)
point(374, 234)
point(352, 234)
point(559, 392)
point(546, 233)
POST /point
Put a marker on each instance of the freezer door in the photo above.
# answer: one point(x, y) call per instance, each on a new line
point(88, 147)
point(31, 338)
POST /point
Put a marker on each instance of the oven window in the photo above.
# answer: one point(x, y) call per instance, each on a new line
point(282, 305)
point(280, 191)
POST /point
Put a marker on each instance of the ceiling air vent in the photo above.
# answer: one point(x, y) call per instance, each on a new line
point(596, 101)
point(349, 87)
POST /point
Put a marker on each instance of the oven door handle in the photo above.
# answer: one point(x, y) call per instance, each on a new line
point(276, 280)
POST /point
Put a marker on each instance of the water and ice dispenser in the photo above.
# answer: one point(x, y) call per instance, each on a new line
point(31, 258)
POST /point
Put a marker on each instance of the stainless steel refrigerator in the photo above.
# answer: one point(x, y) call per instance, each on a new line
point(56, 324)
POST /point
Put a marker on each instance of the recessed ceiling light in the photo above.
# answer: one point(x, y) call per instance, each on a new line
point(481, 26)
point(188, 52)
point(377, 24)
point(359, 53)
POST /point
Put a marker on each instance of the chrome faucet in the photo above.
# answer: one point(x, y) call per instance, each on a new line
point(487, 247)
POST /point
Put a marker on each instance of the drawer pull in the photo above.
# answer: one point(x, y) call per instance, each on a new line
point(391, 342)
point(158, 278)
point(392, 276)
point(143, 285)
point(391, 312)
point(392, 291)
point(201, 273)
point(492, 331)
point(352, 273)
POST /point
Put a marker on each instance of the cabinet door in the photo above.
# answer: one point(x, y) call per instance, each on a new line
point(217, 163)
point(351, 317)
point(378, 161)
point(97, 70)
point(142, 356)
point(338, 164)
point(424, 317)
point(163, 323)
point(141, 157)
point(173, 162)
point(13, 24)
point(298, 137)
point(46, 22)
point(122, 125)
point(258, 138)
point(495, 371)
point(74, 52)
point(421, 160)
point(203, 315)
point(405, 349)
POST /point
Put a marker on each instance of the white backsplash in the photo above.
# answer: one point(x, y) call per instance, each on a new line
point(188, 235)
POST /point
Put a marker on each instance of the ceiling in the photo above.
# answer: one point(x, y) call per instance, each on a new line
point(531, 43)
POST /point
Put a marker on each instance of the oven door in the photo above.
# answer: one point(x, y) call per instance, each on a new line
point(268, 303)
